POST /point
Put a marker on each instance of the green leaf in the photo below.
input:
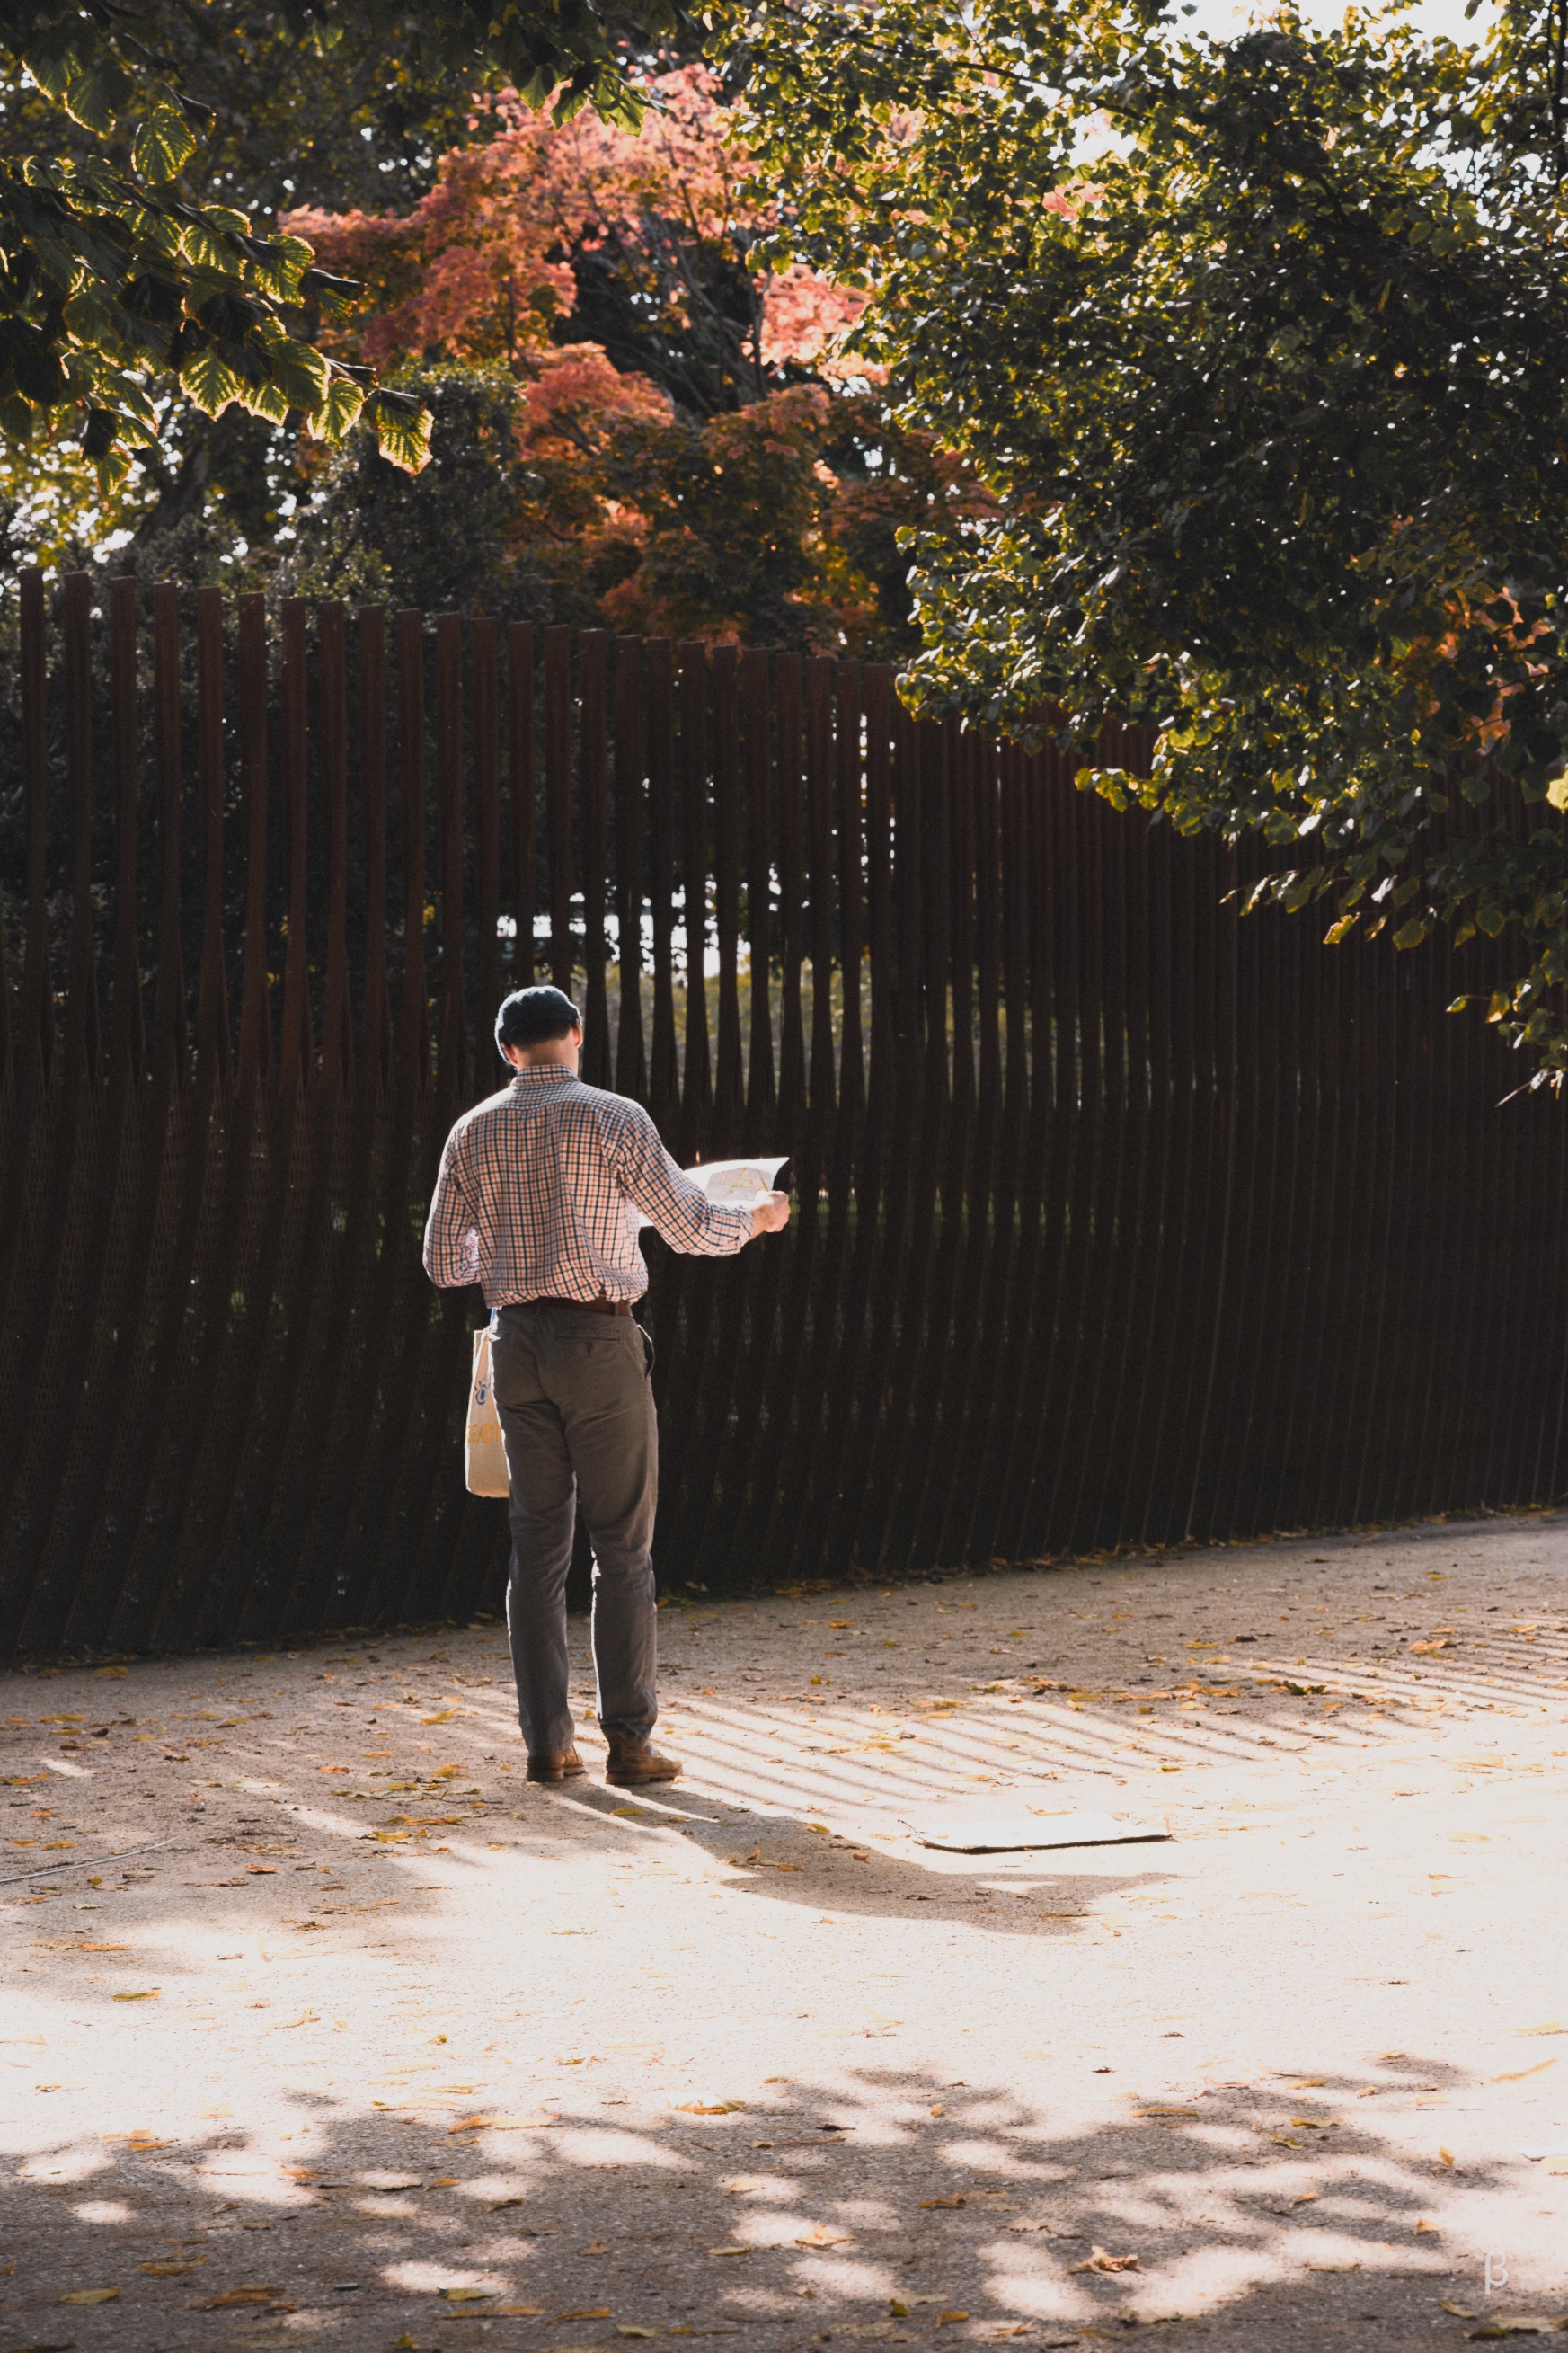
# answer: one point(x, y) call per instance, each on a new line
point(1410, 935)
point(99, 434)
point(299, 373)
point(97, 99)
point(164, 144)
point(209, 380)
point(402, 428)
point(263, 399)
point(340, 411)
point(50, 57)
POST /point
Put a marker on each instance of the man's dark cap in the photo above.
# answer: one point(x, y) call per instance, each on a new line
point(529, 1014)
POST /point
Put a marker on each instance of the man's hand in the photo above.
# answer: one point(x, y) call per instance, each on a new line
point(771, 1216)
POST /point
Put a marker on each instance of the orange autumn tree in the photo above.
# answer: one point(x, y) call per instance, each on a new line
point(694, 454)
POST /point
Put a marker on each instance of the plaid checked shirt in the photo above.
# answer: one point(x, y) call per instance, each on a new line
point(539, 1193)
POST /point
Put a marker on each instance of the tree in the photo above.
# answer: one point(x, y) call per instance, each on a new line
point(545, 228)
point(443, 539)
point(119, 274)
point(1259, 346)
point(708, 471)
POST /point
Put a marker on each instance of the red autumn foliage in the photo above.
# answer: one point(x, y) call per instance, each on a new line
point(714, 465)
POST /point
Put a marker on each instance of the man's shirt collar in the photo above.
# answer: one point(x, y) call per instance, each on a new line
point(540, 1070)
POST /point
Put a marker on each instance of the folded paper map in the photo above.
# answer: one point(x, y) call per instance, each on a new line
point(736, 1184)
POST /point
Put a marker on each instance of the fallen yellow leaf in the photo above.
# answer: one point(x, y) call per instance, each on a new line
point(1424, 2225)
point(1520, 2074)
point(593, 2312)
point(943, 2317)
point(90, 2295)
point(708, 2107)
point(170, 2271)
point(472, 2295)
point(957, 2200)
point(729, 2250)
point(819, 2235)
point(151, 1994)
point(1167, 2112)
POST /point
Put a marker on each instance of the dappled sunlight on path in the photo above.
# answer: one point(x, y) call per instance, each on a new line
point(362, 2037)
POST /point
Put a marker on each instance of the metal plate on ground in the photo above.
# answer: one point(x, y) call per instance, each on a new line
point(1013, 1834)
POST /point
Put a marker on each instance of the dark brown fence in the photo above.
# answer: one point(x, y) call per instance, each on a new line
point(1119, 1218)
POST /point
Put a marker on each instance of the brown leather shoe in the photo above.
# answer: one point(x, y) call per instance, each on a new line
point(565, 1768)
point(629, 1767)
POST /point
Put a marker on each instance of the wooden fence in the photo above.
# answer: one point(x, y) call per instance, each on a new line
point(1120, 1220)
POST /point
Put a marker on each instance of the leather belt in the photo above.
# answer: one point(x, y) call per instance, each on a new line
point(588, 1306)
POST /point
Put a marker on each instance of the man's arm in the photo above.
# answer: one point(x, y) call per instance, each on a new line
point(451, 1235)
point(770, 1215)
point(678, 1210)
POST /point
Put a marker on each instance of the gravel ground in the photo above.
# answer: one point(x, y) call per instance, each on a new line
point(374, 2042)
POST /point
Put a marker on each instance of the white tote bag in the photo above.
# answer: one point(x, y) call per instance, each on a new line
point(485, 1456)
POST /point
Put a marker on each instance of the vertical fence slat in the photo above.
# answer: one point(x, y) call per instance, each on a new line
point(761, 1087)
point(169, 1030)
point(593, 782)
point(413, 1038)
point(128, 1048)
point(522, 787)
point(849, 761)
point(37, 1054)
point(696, 1094)
point(375, 1030)
point(879, 692)
point(483, 640)
point(212, 986)
point(792, 891)
point(452, 1056)
point(558, 800)
point(664, 1083)
point(819, 839)
point(727, 1101)
point(631, 1071)
point(867, 1518)
point(81, 1038)
point(337, 1029)
point(255, 1006)
point(295, 1061)
point(813, 1132)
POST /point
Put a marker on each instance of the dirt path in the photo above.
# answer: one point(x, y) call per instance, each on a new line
point(378, 2044)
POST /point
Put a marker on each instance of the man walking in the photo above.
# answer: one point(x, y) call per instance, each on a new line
point(537, 1200)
